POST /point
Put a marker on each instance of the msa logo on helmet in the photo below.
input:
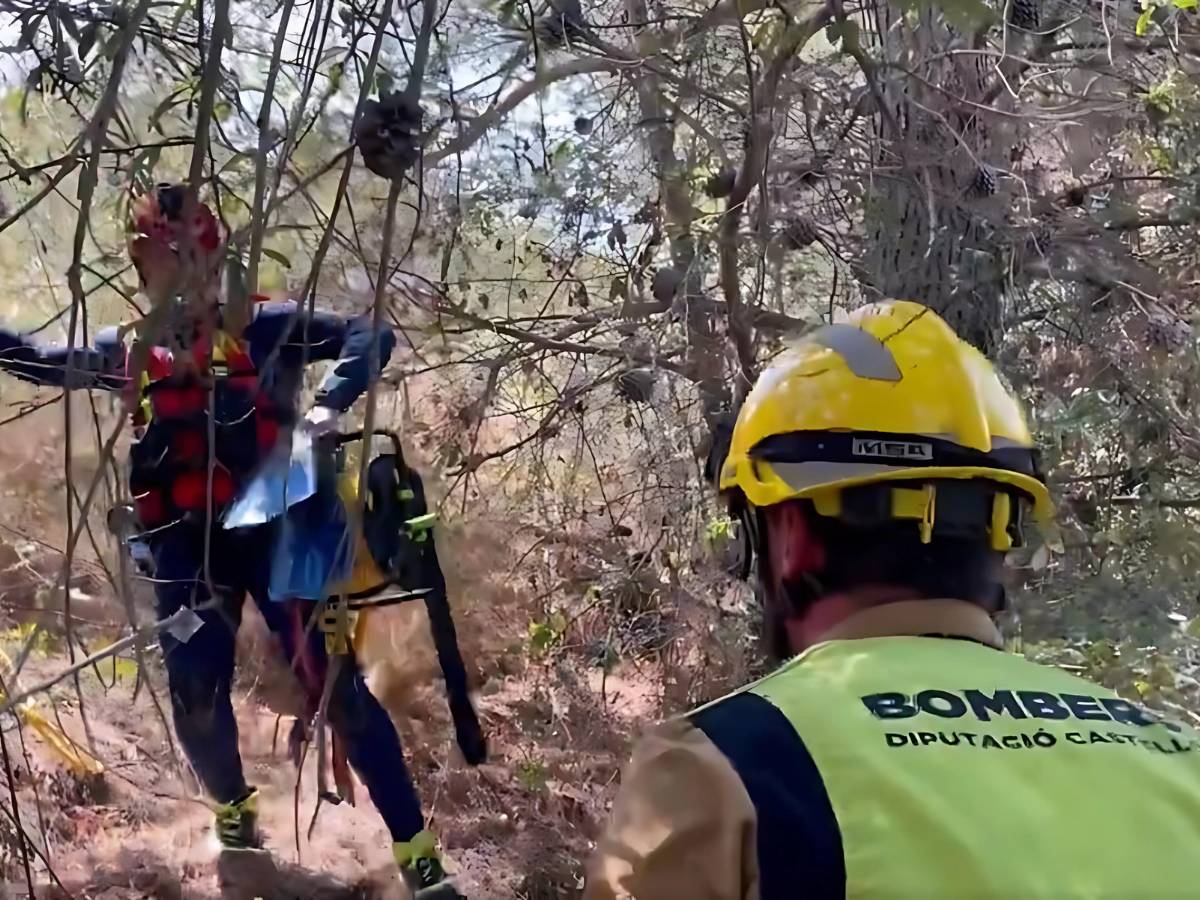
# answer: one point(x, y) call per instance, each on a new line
point(910, 450)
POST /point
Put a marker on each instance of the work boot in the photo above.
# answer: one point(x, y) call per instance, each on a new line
point(237, 823)
point(421, 868)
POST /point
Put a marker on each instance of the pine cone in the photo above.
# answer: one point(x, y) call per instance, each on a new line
point(636, 385)
point(721, 184)
point(984, 183)
point(799, 233)
point(1024, 14)
point(389, 134)
point(1166, 333)
point(666, 284)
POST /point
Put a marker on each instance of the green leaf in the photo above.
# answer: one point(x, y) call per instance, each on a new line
point(562, 153)
point(124, 669)
point(237, 159)
point(87, 40)
point(271, 278)
point(766, 34)
point(13, 100)
point(541, 636)
point(113, 42)
point(1040, 559)
point(28, 32)
point(719, 529)
point(1143, 22)
point(968, 15)
point(172, 100)
point(1186, 4)
point(181, 11)
point(141, 168)
point(278, 257)
point(68, 23)
point(1161, 157)
point(544, 635)
point(843, 34)
point(222, 111)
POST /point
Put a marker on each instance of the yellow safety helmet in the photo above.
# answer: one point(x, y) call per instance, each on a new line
point(892, 396)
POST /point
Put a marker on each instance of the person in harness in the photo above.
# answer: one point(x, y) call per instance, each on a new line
point(882, 470)
point(207, 410)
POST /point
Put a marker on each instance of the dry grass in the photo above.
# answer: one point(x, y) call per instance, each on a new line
point(580, 627)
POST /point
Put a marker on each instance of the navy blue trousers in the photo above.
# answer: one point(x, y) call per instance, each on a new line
point(200, 672)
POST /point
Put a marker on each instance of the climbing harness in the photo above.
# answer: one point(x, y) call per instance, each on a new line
point(170, 472)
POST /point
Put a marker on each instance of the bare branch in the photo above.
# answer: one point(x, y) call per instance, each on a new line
point(258, 221)
point(488, 119)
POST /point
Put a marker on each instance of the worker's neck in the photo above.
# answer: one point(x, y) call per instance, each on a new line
point(825, 614)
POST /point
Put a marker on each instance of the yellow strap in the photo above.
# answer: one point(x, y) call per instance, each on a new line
point(338, 624)
point(1001, 514)
point(916, 503)
point(248, 804)
point(224, 344)
point(144, 397)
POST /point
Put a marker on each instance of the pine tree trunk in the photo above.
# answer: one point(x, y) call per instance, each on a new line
point(930, 209)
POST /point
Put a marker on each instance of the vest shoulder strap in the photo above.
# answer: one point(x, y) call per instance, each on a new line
point(799, 843)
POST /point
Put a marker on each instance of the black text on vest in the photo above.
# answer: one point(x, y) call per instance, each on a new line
point(987, 705)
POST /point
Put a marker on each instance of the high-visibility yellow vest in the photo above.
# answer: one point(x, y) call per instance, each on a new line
point(929, 767)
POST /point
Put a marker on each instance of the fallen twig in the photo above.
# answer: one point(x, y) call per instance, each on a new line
point(140, 638)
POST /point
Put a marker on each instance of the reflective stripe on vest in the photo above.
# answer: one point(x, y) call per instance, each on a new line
point(925, 767)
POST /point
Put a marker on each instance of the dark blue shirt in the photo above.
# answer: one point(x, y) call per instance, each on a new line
point(280, 339)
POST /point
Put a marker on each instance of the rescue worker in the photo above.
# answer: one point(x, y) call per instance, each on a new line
point(882, 470)
point(252, 385)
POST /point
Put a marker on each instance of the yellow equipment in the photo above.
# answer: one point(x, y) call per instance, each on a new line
point(76, 757)
point(386, 527)
point(893, 396)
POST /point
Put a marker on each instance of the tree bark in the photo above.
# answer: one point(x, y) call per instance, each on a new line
point(931, 227)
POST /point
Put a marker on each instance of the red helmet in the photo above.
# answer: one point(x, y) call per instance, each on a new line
point(163, 231)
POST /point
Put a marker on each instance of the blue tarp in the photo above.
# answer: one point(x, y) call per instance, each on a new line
point(283, 480)
point(313, 553)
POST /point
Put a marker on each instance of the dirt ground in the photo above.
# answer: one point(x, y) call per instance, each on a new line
point(559, 706)
point(519, 826)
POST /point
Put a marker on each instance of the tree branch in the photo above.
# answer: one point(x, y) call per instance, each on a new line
point(750, 176)
point(496, 113)
point(258, 223)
